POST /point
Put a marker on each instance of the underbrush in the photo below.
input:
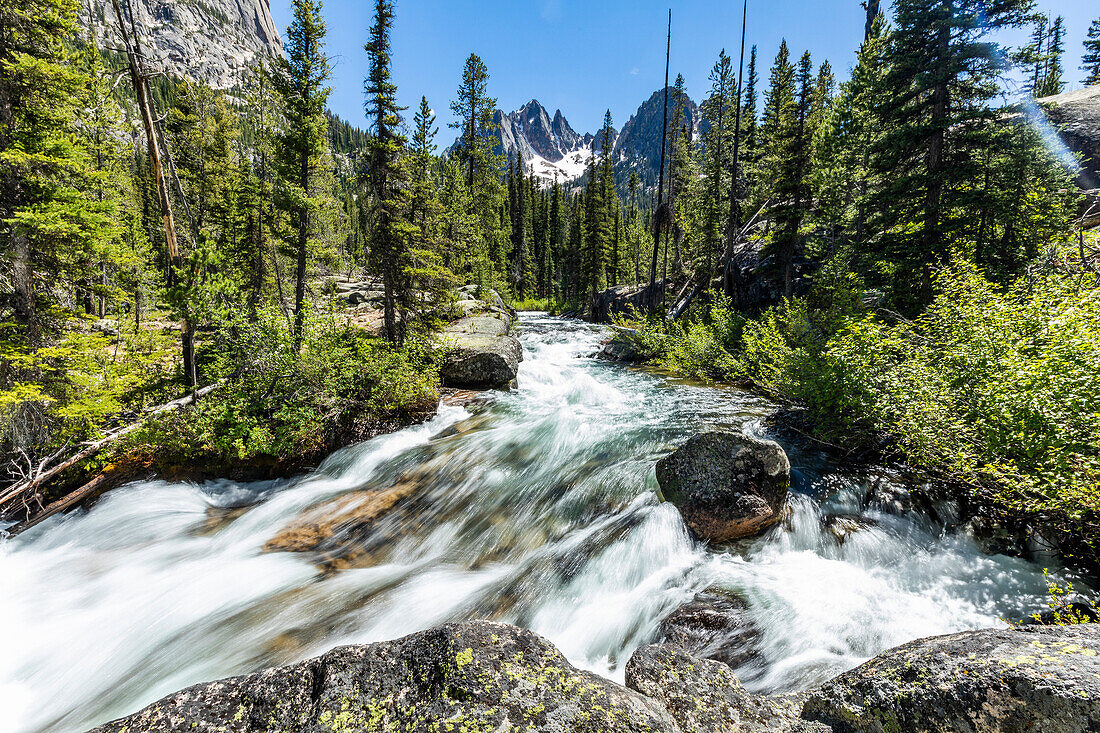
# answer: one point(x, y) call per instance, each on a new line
point(996, 386)
point(275, 405)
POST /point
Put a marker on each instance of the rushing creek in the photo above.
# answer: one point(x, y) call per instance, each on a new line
point(538, 509)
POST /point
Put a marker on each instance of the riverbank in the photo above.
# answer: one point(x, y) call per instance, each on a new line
point(285, 414)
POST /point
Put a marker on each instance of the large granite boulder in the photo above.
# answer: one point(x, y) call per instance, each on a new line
point(473, 676)
point(481, 352)
point(1076, 115)
point(1035, 679)
point(705, 696)
point(726, 485)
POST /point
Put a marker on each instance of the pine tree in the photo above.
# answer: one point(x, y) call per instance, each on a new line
point(1090, 62)
point(387, 178)
point(1051, 82)
point(40, 193)
point(787, 154)
point(1032, 56)
point(473, 110)
point(557, 236)
point(750, 144)
point(942, 75)
point(300, 82)
point(424, 206)
point(719, 112)
point(848, 132)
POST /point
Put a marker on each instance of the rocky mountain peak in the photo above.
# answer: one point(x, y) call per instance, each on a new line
point(209, 41)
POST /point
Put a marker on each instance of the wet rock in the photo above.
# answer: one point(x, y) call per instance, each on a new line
point(704, 696)
point(995, 681)
point(617, 350)
point(473, 676)
point(481, 362)
point(726, 486)
point(843, 527)
point(712, 625)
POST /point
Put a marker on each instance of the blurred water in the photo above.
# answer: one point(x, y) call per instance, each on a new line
point(538, 510)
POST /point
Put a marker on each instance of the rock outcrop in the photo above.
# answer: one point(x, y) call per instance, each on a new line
point(463, 677)
point(704, 696)
point(485, 676)
point(1017, 680)
point(726, 486)
point(1076, 115)
point(210, 41)
point(624, 300)
point(482, 353)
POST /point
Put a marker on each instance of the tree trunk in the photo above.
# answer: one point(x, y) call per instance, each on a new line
point(872, 13)
point(940, 103)
point(22, 267)
point(660, 179)
point(141, 92)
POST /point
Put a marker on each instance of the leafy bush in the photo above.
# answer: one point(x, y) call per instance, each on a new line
point(994, 385)
point(699, 346)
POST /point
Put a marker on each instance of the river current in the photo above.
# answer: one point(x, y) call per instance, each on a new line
point(538, 509)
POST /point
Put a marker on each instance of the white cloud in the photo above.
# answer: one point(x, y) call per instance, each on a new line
point(634, 71)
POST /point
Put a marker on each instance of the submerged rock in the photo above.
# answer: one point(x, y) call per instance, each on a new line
point(351, 513)
point(705, 696)
point(473, 676)
point(713, 625)
point(726, 486)
point(994, 681)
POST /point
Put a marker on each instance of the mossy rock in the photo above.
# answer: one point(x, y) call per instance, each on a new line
point(469, 677)
point(1018, 680)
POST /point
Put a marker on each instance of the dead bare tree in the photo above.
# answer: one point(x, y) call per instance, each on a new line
point(139, 77)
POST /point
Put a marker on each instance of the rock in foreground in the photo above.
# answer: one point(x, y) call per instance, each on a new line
point(705, 696)
point(1035, 679)
point(726, 486)
point(474, 676)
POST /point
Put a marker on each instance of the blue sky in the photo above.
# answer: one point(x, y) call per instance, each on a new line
point(585, 57)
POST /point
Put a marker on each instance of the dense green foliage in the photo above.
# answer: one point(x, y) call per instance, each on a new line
point(296, 405)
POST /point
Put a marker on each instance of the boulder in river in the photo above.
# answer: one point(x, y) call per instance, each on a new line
point(348, 514)
point(481, 352)
point(713, 625)
point(727, 486)
point(476, 361)
point(472, 676)
point(1025, 679)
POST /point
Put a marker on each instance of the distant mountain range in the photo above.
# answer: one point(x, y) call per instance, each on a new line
point(552, 150)
point(215, 41)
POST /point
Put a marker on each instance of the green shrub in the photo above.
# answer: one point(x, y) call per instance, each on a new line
point(276, 405)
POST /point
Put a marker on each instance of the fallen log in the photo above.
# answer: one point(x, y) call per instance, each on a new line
point(84, 492)
point(680, 305)
point(22, 490)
